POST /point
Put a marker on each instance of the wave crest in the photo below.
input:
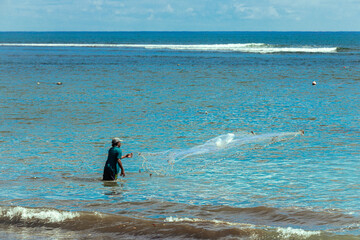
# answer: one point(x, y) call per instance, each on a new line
point(220, 222)
point(231, 47)
point(46, 215)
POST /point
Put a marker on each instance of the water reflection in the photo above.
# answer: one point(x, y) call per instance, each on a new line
point(116, 188)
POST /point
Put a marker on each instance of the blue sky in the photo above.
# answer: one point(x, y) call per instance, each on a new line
point(180, 15)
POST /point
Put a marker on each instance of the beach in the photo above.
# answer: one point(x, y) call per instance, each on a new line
point(214, 120)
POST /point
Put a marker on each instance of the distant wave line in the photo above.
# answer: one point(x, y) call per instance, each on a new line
point(233, 47)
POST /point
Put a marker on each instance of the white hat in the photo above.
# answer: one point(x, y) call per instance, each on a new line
point(116, 140)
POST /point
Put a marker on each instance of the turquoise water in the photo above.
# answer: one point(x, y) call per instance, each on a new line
point(171, 93)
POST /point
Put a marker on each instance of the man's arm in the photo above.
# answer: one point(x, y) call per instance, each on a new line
point(121, 167)
point(129, 155)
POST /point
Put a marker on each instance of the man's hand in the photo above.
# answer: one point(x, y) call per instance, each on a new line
point(129, 155)
point(122, 174)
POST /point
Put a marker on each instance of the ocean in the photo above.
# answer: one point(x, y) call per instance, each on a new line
point(235, 135)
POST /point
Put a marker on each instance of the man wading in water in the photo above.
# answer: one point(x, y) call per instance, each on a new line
point(113, 162)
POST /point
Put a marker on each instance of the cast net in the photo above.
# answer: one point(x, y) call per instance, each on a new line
point(175, 161)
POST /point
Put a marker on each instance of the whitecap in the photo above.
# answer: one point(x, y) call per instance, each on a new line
point(231, 47)
point(48, 215)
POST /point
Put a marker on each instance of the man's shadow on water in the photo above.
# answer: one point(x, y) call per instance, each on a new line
point(116, 188)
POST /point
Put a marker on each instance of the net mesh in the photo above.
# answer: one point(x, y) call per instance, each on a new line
point(176, 161)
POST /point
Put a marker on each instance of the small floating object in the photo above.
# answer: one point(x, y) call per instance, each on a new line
point(59, 83)
point(38, 83)
point(200, 112)
point(314, 83)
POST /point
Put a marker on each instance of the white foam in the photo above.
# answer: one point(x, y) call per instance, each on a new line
point(248, 47)
point(52, 216)
point(286, 233)
point(58, 45)
point(289, 233)
point(235, 47)
point(199, 220)
point(295, 50)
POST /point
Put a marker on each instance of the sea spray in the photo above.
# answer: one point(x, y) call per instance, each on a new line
point(211, 152)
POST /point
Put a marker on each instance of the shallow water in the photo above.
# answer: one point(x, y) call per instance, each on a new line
point(54, 138)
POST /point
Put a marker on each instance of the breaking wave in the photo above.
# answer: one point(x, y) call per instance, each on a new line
point(231, 47)
point(283, 233)
point(220, 222)
point(18, 214)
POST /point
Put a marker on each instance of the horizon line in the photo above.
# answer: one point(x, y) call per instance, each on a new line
point(179, 31)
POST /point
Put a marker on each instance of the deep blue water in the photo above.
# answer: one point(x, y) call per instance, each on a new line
point(168, 92)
